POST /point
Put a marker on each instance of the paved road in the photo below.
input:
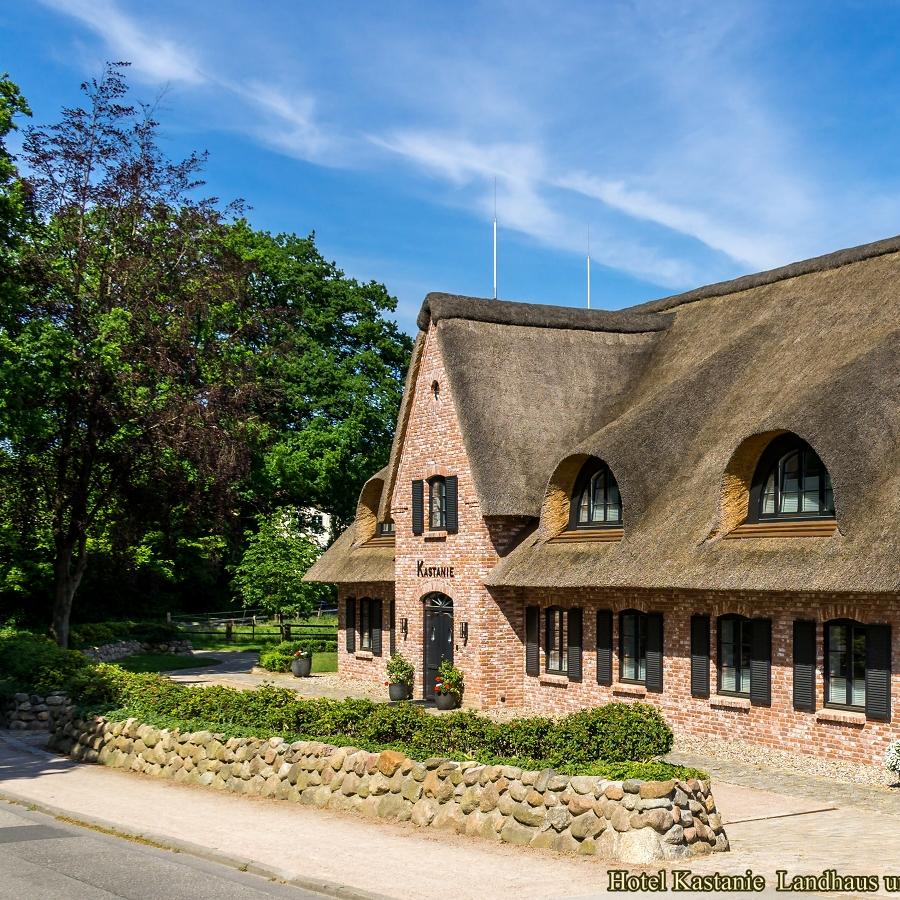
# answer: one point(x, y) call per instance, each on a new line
point(42, 858)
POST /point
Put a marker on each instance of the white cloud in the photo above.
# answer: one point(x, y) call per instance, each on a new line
point(154, 57)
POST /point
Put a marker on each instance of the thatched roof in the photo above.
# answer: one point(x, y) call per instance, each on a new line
point(668, 393)
point(814, 349)
point(355, 557)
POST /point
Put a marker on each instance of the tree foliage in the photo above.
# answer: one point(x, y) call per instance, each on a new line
point(167, 373)
point(277, 556)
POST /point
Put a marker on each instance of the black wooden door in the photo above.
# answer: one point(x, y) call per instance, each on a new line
point(438, 637)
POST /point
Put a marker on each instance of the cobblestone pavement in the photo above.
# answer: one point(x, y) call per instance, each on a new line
point(880, 798)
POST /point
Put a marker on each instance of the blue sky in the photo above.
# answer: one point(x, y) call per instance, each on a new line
point(699, 141)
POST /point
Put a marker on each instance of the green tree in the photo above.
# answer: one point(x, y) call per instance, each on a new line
point(123, 361)
point(277, 556)
point(332, 368)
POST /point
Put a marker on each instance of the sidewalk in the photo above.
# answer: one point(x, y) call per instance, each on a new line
point(345, 855)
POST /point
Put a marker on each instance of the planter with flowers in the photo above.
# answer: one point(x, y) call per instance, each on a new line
point(301, 664)
point(448, 686)
point(400, 677)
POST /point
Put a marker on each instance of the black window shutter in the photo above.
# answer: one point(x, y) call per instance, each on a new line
point(805, 666)
point(451, 501)
point(699, 656)
point(576, 622)
point(376, 612)
point(878, 672)
point(761, 662)
point(392, 607)
point(654, 679)
point(532, 641)
point(604, 647)
point(350, 624)
point(418, 506)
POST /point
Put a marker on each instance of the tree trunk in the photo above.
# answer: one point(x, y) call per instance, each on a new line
point(66, 580)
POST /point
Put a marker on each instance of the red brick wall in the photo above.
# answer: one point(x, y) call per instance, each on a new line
point(778, 726)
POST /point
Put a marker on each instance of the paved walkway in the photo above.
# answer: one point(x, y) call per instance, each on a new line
point(238, 669)
point(345, 855)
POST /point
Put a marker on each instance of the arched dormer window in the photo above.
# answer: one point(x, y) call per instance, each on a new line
point(791, 482)
point(596, 502)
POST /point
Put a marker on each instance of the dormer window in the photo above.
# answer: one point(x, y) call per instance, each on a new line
point(791, 482)
point(596, 502)
point(437, 503)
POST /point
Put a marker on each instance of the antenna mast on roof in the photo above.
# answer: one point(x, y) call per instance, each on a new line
point(589, 269)
point(495, 237)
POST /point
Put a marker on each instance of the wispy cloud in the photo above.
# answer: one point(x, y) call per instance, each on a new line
point(285, 118)
point(154, 57)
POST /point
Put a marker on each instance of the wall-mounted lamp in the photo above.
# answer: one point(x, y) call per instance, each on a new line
point(464, 632)
point(404, 626)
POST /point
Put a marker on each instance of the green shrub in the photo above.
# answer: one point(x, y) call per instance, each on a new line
point(280, 657)
point(400, 670)
point(617, 732)
point(32, 662)
point(95, 634)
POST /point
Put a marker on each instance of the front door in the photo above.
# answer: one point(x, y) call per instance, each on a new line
point(438, 637)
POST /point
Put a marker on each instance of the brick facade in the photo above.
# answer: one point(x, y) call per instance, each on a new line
point(493, 657)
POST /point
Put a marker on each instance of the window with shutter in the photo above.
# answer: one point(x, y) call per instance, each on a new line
point(735, 652)
point(878, 672)
point(350, 624)
point(377, 611)
point(805, 666)
point(761, 663)
point(654, 680)
point(557, 643)
point(418, 506)
point(451, 500)
point(700, 656)
point(846, 659)
point(604, 647)
point(392, 607)
point(365, 623)
point(632, 647)
point(532, 646)
point(576, 620)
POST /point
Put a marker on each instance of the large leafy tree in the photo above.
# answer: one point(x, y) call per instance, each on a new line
point(332, 373)
point(123, 361)
point(168, 374)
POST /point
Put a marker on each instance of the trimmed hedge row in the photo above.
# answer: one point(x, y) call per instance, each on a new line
point(615, 741)
point(99, 633)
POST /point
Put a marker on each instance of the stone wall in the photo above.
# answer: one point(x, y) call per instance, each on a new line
point(121, 649)
point(30, 712)
point(632, 821)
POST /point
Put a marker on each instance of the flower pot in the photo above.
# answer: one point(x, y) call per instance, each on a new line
point(301, 666)
point(399, 691)
point(445, 701)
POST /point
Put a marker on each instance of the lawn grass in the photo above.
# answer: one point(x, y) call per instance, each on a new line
point(163, 662)
point(324, 661)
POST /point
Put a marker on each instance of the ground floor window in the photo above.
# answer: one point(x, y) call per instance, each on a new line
point(557, 640)
point(633, 646)
point(365, 624)
point(845, 664)
point(735, 646)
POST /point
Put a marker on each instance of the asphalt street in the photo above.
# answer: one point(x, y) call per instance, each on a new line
point(42, 858)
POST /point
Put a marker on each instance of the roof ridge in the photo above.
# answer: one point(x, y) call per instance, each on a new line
point(834, 260)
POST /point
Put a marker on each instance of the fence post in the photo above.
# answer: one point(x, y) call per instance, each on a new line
point(229, 629)
point(286, 631)
point(169, 618)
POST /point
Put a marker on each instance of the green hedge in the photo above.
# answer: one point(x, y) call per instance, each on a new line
point(613, 741)
point(279, 657)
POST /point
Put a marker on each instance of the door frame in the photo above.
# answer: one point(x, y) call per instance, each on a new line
point(425, 618)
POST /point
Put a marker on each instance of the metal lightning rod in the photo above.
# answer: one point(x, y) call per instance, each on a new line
point(495, 237)
point(589, 269)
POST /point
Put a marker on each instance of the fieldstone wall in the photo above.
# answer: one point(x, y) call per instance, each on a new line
point(121, 649)
point(632, 821)
point(30, 712)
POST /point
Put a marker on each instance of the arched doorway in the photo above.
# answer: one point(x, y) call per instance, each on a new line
point(438, 620)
